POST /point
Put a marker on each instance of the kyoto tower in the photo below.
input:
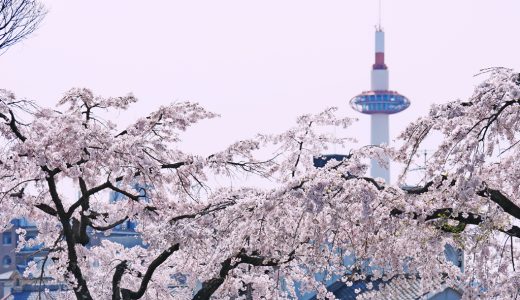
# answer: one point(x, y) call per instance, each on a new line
point(379, 102)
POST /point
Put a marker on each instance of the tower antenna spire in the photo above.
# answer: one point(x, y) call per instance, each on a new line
point(379, 25)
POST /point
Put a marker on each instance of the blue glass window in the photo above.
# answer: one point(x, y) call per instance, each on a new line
point(6, 261)
point(6, 238)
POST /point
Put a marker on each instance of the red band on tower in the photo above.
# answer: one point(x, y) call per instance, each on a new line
point(380, 61)
point(380, 58)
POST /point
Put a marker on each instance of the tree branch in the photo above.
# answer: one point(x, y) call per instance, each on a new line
point(507, 205)
point(12, 124)
point(84, 197)
point(207, 210)
point(81, 291)
point(494, 195)
point(164, 166)
point(209, 287)
point(18, 19)
point(46, 209)
point(131, 295)
point(108, 227)
point(462, 218)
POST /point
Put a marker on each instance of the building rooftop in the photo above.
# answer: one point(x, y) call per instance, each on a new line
point(399, 288)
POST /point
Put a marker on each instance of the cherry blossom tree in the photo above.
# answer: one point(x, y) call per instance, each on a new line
point(472, 192)
point(264, 240)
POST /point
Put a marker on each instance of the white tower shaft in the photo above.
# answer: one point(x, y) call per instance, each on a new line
point(379, 130)
point(379, 135)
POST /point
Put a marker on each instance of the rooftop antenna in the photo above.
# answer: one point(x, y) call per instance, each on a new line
point(425, 161)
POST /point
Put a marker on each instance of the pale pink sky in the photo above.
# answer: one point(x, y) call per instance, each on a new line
point(261, 63)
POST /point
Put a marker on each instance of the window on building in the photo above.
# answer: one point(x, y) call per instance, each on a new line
point(6, 238)
point(6, 261)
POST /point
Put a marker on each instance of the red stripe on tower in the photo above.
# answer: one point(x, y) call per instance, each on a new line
point(380, 61)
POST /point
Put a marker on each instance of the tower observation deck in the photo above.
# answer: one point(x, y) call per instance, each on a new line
point(379, 103)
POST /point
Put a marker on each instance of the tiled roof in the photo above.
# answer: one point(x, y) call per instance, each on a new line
point(400, 288)
point(32, 296)
point(35, 292)
point(397, 289)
